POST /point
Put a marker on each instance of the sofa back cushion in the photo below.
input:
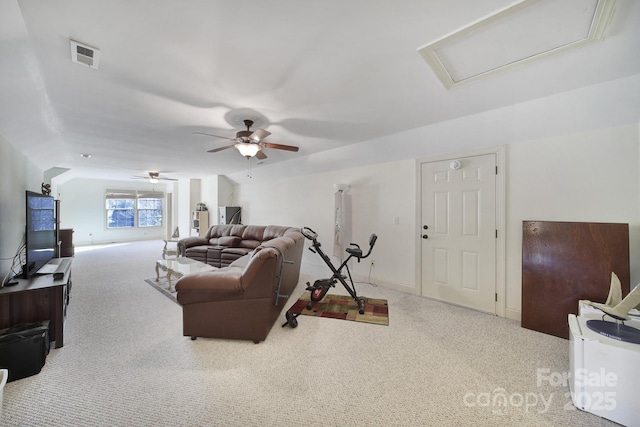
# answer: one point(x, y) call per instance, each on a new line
point(252, 236)
point(215, 233)
point(236, 229)
point(280, 243)
point(229, 241)
point(273, 231)
point(225, 230)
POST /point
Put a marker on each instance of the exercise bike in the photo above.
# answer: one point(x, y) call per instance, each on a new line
point(320, 287)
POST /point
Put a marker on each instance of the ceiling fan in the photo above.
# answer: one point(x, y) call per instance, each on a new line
point(154, 178)
point(250, 143)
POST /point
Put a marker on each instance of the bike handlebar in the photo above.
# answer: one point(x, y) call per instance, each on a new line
point(309, 233)
point(312, 235)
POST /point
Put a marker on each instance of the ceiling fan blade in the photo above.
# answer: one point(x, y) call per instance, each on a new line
point(216, 136)
point(167, 179)
point(280, 146)
point(259, 134)
point(260, 155)
point(215, 150)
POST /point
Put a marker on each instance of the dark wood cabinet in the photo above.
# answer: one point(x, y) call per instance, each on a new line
point(66, 242)
point(39, 298)
point(564, 262)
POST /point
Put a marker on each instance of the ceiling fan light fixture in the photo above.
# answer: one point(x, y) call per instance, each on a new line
point(154, 177)
point(248, 149)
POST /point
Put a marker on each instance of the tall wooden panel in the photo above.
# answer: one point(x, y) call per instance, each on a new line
point(564, 262)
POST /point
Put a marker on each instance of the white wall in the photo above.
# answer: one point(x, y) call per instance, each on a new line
point(226, 192)
point(217, 191)
point(82, 207)
point(17, 174)
point(182, 202)
point(209, 196)
point(586, 177)
point(378, 193)
point(589, 176)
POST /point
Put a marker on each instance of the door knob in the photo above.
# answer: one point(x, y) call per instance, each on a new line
point(426, 227)
point(424, 236)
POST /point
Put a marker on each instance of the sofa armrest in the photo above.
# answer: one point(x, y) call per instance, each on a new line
point(209, 285)
point(187, 242)
point(227, 280)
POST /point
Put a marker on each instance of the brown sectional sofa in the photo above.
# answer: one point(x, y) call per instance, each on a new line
point(259, 267)
point(224, 244)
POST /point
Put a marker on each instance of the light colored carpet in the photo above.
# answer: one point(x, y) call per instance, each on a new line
point(126, 363)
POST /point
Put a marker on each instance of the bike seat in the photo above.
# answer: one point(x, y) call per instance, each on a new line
point(356, 252)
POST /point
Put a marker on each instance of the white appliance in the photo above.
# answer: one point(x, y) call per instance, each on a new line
point(605, 372)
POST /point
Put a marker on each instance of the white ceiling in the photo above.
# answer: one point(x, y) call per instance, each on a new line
point(317, 74)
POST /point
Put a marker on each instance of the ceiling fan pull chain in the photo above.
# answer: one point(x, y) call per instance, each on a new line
point(249, 173)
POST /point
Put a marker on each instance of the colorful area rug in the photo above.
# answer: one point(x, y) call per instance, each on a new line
point(344, 307)
point(162, 285)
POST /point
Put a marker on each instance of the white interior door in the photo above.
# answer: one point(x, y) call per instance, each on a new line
point(459, 231)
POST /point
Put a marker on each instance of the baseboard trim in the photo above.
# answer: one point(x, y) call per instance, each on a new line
point(385, 284)
point(513, 314)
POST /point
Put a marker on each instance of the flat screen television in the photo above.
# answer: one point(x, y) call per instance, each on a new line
point(40, 232)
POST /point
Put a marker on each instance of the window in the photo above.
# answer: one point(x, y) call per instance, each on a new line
point(124, 206)
point(149, 210)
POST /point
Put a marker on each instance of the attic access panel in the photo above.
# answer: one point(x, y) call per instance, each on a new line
point(526, 31)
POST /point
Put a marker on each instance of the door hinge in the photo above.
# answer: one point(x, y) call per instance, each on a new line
point(496, 234)
point(496, 297)
point(496, 170)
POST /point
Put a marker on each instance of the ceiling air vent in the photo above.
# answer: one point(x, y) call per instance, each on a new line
point(84, 54)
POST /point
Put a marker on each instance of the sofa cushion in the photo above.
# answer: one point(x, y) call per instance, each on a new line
point(273, 231)
point(199, 253)
point(252, 236)
point(228, 241)
point(242, 261)
point(280, 243)
point(229, 255)
point(215, 231)
point(222, 230)
point(236, 229)
point(213, 255)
